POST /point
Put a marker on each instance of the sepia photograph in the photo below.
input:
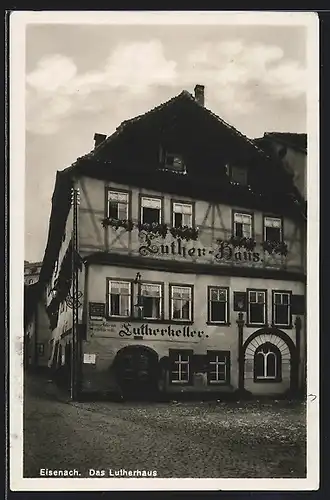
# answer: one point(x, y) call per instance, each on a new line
point(166, 228)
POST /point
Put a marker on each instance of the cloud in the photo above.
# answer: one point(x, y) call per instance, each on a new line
point(237, 76)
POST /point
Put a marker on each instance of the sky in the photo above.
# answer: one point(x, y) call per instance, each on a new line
point(83, 79)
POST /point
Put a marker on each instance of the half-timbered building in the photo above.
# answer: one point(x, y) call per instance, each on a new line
point(190, 260)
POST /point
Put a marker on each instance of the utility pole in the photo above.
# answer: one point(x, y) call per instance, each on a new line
point(75, 351)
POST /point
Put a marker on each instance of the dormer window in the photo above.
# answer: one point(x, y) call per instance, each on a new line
point(238, 175)
point(172, 161)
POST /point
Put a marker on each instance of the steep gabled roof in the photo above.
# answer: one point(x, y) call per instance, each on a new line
point(184, 95)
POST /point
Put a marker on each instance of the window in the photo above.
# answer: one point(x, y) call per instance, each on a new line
point(218, 305)
point(256, 307)
point(118, 205)
point(180, 367)
point(239, 175)
point(181, 302)
point(151, 210)
point(272, 229)
point(182, 214)
point(267, 363)
point(151, 300)
point(242, 225)
point(282, 308)
point(218, 363)
point(119, 302)
point(40, 349)
point(174, 162)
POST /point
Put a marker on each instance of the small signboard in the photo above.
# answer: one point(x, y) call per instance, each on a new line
point(96, 310)
point(90, 359)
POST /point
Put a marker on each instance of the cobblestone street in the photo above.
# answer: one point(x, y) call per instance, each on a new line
point(203, 439)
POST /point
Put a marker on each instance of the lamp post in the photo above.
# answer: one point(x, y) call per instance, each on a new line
point(75, 351)
point(240, 324)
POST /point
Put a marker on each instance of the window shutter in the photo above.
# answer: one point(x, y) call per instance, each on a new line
point(298, 304)
point(240, 301)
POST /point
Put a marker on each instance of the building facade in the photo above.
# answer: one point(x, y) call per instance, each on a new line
point(187, 244)
point(31, 272)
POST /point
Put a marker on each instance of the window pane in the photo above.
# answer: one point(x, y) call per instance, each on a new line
point(113, 209)
point(285, 298)
point(151, 307)
point(277, 298)
point(153, 290)
point(122, 211)
point(114, 304)
point(239, 229)
point(186, 310)
point(273, 222)
point(259, 365)
point(150, 215)
point(124, 305)
point(257, 313)
point(176, 309)
point(178, 220)
point(252, 296)
point(218, 311)
point(214, 294)
point(281, 314)
point(260, 297)
point(273, 234)
point(151, 203)
point(187, 220)
point(271, 365)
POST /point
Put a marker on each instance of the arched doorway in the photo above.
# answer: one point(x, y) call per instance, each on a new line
point(270, 364)
point(136, 369)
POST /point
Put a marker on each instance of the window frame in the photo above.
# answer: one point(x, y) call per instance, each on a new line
point(210, 353)
point(209, 319)
point(121, 191)
point(183, 202)
point(268, 216)
point(248, 318)
point(278, 376)
point(289, 293)
point(162, 301)
point(177, 320)
point(250, 214)
point(174, 352)
point(124, 280)
point(161, 198)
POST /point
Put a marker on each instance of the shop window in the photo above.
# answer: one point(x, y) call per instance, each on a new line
point(218, 305)
point(272, 229)
point(267, 363)
point(180, 367)
point(182, 214)
point(151, 210)
point(242, 225)
point(282, 308)
point(181, 302)
point(257, 307)
point(119, 298)
point(218, 363)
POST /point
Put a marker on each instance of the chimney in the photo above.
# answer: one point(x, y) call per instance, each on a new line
point(199, 94)
point(98, 138)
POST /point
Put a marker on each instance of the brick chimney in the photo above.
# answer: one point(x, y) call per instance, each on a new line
point(199, 94)
point(98, 138)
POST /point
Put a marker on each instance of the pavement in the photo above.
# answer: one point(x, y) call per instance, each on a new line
point(250, 439)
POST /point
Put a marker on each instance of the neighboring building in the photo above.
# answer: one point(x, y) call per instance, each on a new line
point(291, 149)
point(37, 334)
point(192, 260)
point(31, 272)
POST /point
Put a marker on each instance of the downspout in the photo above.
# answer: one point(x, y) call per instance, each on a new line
point(240, 324)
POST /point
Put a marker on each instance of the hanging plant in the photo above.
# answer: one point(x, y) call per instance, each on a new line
point(185, 232)
point(242, 242)
point(154, 228)
point(117, 223)
point(275, 247)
